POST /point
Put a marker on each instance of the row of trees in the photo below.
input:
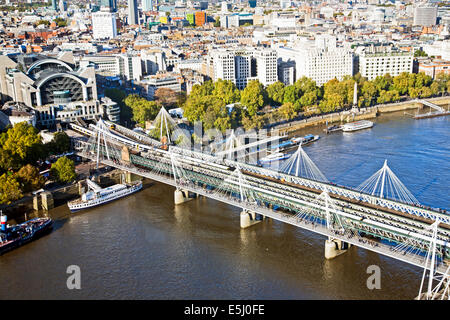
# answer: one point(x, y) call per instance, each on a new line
point(207, 102)
point(21, 148)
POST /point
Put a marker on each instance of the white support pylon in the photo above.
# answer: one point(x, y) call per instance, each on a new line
point(441, 290)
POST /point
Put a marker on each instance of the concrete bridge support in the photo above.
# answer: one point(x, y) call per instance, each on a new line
point(334, 248)
point(250, 218)
point(47, 201)
point(181, 196)
point(129, 177)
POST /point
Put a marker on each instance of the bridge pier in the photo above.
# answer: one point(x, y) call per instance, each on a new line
point(128, 177)
point(181, 196)
point(334, 248)
point(249, 218)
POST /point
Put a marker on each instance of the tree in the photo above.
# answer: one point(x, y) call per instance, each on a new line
point(166, 97)
point(60, 143)
point(291, 94)
point(275, 92)
point(63, 170)
point(29, 178)
point(253, 97)
point(287, 111)
point(60, 22)
point(143, 110)
point(420, 53)
point(19, 140)
point(369, 92)
point(44, 22)
point(9, 189)
point(226, 91)
point(217, 22)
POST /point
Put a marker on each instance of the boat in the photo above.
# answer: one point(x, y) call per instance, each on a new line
point(274, 157)
point(358, 125)
point(15, 236)
point(305, 140)
point(332, 129)
point(97, 196)
point(282, 146)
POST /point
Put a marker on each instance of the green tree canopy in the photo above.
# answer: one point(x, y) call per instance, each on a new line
point(63, 170)
point(275, 92)
point(9, 189)
point(142, 109)
point(19, 141)
point(253, 97)
point(226, 91)
point(29, 178)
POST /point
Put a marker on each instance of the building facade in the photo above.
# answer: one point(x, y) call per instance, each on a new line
point(104, 25)
point(378, 61)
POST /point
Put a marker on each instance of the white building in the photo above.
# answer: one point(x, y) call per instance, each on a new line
point(266, 66)
point(425, 15)
point(320, 63)
point(378, 61)
point(152, 83)
point(243, 65)
point(147, 5)
point(127, 66)
point(104, 25)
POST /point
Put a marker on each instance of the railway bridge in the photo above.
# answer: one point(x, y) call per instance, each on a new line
point(403, 230)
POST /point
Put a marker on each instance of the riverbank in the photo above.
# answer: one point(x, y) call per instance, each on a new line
point(362, 114)
point(31, 206)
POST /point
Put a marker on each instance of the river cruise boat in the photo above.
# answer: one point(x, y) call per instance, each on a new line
point(277, 156)
point(97, 195)
point(309, 138)
point(17, 235)
point(358, 125)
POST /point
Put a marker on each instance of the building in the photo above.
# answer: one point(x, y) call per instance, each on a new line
point(318, 63)
point(242, 65)
point(425, 15)
point(45, 80)
point(152, 83)
point(133, 16)
point(377, 61)
point(266, 66)
point(110, 5)
point(51, 86)
point(147, 5)
point(104, 25)
point(200, 18)
point(435, 67)
point(126, 66)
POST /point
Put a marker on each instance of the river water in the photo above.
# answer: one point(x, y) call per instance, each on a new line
point(143, 247)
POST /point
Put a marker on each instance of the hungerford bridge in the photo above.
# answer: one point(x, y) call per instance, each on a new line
point(392, 224)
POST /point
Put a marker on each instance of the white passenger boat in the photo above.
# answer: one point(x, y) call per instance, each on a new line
point(274, 157)
point(97, 195)
point(358, 125)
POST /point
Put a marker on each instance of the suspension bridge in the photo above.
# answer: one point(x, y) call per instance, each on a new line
point(381, 215)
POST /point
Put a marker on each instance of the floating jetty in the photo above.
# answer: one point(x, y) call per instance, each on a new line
point(438, 113)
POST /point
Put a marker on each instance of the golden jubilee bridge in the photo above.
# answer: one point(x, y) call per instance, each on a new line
point(381, 215)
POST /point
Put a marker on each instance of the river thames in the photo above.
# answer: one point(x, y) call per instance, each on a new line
point(145, 247)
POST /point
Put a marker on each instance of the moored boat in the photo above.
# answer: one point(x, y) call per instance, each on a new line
point(15, 236)
point(274, 157)
point(97, 195)
point(358, 125)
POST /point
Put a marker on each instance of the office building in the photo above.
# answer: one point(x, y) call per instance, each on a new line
point(425, 15)
point(379, 60)
point(133, 16)
point(104, 25)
